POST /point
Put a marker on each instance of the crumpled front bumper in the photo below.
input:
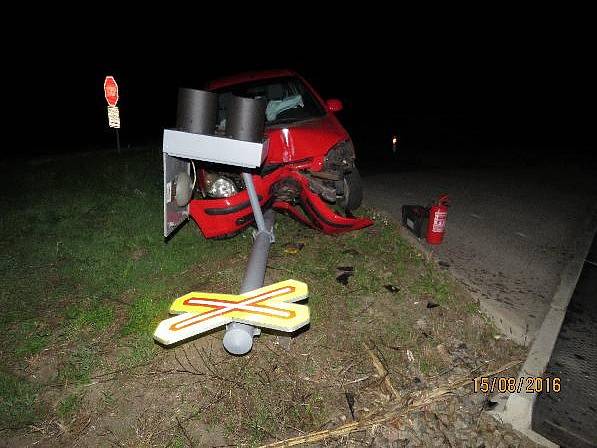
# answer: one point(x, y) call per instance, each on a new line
point(225, 217)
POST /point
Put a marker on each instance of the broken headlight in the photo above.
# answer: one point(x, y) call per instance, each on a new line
point(217, 186)
point(340, 157)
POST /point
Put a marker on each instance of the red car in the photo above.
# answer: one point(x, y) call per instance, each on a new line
point(309, 171)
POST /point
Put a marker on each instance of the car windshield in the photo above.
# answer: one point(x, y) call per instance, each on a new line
point(288, 100)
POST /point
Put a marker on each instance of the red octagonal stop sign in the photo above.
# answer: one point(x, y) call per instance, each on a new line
point(111, 91)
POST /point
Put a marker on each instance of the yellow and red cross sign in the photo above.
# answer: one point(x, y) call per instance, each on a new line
point(267, 307)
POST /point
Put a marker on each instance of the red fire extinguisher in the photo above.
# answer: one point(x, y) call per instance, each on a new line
point(438, 213)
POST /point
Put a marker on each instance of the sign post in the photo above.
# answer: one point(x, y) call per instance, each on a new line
point(111, 95)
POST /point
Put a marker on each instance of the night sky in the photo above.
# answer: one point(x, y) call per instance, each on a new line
point(457, 90)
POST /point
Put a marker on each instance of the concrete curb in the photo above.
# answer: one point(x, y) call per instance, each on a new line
point(516, 409)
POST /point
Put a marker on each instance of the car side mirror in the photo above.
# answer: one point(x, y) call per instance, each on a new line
point(334, 105)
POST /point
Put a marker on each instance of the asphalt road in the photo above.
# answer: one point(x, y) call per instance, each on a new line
point(510, 229)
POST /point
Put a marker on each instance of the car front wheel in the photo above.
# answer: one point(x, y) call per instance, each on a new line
point(353, 190)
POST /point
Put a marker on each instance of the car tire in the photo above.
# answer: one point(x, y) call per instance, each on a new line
point(353, 190)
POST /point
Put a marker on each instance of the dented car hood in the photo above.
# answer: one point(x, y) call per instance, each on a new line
point(301, 140)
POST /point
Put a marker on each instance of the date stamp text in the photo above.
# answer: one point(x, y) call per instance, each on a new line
point(505, 384)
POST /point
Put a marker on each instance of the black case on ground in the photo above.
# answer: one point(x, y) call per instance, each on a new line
point(414, 218)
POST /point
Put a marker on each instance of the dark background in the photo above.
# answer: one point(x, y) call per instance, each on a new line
point(460, 91)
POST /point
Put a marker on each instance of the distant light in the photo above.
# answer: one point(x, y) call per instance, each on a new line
point(394, 140)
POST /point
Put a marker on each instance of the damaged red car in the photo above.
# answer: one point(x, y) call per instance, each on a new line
point(309, 172)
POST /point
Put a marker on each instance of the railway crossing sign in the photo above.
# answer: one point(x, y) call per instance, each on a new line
point(268, 307)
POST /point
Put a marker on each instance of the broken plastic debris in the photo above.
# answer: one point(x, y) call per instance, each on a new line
point(343, 277)
point(293, 248)
point(392, 288)
point(350, 400)
point(489, 404)
point(345, 268)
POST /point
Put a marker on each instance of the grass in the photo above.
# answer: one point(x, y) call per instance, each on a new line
point(17, 401)
point(138, 350)
point(79, 364)
point(92, 316)
point(69, 405)
point(142, 313)
point(86, 276)
point(431, 283)
point(30, 337)
point(81, 236)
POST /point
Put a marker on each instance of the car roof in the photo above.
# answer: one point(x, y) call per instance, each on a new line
point(247, 77)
